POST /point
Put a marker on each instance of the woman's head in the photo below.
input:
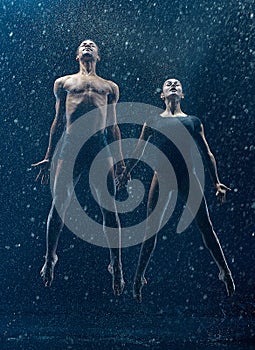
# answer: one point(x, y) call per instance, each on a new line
point(172, 89)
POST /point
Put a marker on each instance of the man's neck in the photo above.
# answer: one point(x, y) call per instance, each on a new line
point(88, 68)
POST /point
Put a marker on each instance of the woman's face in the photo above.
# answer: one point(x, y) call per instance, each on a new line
point(172, 87)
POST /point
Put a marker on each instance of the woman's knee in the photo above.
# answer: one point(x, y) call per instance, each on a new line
point(210, 239)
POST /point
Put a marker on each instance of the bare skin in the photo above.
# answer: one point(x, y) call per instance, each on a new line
point(172, 96)
point(75, 95)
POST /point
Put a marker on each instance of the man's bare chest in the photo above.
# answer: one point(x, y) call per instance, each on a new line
point(87, 86)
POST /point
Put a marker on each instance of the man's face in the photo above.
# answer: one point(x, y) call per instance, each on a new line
point(172, 87)
point(88, 51)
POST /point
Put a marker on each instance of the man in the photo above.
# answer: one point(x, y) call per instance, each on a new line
point(174, 119)
point(76, 95)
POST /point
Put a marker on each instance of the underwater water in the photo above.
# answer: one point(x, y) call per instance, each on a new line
point(209, 46)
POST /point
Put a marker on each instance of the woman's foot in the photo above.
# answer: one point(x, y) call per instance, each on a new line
point(47, 271)
point(137, 288)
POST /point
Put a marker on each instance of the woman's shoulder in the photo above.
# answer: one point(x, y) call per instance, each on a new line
point(196, 122)
point(193, 117)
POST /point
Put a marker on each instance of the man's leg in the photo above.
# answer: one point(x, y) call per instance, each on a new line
point(112, 229)
point(61, 200)
point(212, 243)
point(149, 244)
point(115, 267)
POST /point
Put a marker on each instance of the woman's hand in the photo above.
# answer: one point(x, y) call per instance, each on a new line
point(221, 191)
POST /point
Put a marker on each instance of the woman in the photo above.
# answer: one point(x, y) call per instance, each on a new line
point(172, 118)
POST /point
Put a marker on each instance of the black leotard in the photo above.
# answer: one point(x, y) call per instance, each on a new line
point(176, 138)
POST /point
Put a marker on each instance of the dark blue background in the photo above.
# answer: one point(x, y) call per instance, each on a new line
point(209, 46)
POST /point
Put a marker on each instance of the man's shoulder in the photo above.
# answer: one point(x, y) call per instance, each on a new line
point(113, 87)
point(112, 84)
point(63, 79)
point(59, 89)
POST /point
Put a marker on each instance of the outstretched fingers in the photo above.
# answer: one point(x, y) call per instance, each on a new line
point(221, 192)
point(43, 175)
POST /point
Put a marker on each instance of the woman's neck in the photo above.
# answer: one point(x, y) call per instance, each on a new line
point(173, 109)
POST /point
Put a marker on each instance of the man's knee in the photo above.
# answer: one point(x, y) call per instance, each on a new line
point(60, 203)
point(111, 220)
point(54, 215)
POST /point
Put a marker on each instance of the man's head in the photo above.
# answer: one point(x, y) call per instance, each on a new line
point(87, 51)
point(172, 89)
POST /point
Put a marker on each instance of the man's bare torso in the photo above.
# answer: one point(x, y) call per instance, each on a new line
point(85, 93)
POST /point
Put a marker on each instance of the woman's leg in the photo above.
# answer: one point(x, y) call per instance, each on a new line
point(149, 243)
point(212, 243)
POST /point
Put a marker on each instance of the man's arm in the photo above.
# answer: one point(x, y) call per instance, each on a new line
point(57, 126)
point(55, 131)
point(114, 131)
point(209, 158)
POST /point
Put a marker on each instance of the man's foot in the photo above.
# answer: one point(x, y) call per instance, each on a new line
point(137, 288)
point(229, 282)
point(47, 271)
point(118, 282)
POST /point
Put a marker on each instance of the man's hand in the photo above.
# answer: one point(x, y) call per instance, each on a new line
point(221, 191)
point(44, 172)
